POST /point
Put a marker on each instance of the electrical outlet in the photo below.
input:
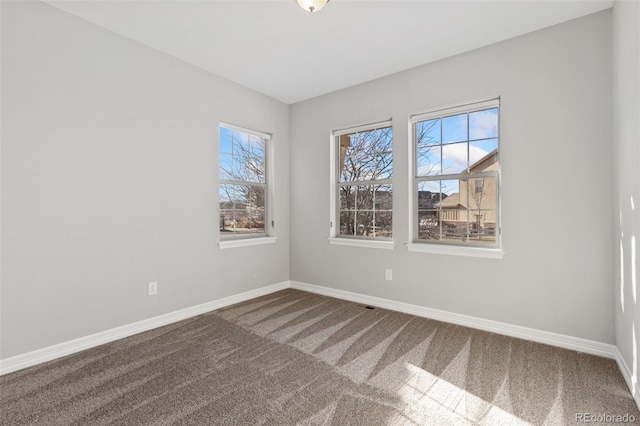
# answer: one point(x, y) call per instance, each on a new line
point(153, 288)
point(388, 274)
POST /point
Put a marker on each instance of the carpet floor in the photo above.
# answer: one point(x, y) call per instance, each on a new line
point(293, 357)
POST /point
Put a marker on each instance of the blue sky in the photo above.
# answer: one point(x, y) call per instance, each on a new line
point(454, 143)
point(238, 152)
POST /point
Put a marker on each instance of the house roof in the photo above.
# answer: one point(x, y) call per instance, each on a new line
point(490, 156)
point(452, 200)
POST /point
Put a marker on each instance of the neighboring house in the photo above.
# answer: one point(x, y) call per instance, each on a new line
point(475, 202)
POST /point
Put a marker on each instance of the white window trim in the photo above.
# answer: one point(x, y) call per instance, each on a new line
point(268, 236)
point(489, 103)
point(444, 248)
point(362, 127)
point(244, 242)
point(334, 219)
point(487, 253)
point(360, 242)
point(262, 135)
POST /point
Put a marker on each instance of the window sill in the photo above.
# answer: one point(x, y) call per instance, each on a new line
point(225, 244)
point(487, 253)
point(388, 245)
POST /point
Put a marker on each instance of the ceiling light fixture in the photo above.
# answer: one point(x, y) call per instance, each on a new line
point(312, 5)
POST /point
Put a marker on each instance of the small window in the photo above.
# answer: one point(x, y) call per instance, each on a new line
point(456, 173)
point(243, 182)
point(363, 199)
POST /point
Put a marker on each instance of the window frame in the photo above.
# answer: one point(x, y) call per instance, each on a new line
point(449, 247)
point(266, 237)
point(335, 184)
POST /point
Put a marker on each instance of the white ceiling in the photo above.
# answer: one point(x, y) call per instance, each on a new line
point(276, 48)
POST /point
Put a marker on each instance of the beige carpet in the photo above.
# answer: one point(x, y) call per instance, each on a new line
point(297, 358)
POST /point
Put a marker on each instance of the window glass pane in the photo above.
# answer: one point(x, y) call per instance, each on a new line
point(347, 222)
point(239, 141)
point(482, 196)
point(242, 156)
point(429, 195)
point(364, 223)
point(257, 141)
point(230, 196)
point(383, 213)
point(383, 226)
point(256, 223)
point(255, 211)
point(442, 210)
point(254, 169)
point(483, 124)
point(428, 133)
point(382, 139)
point(452, 213)
point(236, 168)
point(383, 197)
point(226, 166)
point(366, 155)
point(255, 158)
point(347, 197)
point(255, 197)
point(227, 214)
point(454, 158)
point(366, 210)
point(384, 165)
point(242, 209)
point(454, 128)
point(479, 151)
point(251, 157)
point(364, 199)
point(429, 161)
point(357, 167)
point(225, 139)
point(428, 225)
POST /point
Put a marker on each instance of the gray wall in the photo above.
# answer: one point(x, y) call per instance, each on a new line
point(626, 141)
point(556, 158)
point(109, 181)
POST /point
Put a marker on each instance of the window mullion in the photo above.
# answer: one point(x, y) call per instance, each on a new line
point(459, 176)
point(242, 183)
point(366, 182)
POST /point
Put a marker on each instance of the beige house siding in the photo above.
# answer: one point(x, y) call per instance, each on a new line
point(476, 201)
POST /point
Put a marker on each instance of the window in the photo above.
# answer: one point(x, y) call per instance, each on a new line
point(362, 199)
point(479, 185)
point(456, 173)
point(243, 182)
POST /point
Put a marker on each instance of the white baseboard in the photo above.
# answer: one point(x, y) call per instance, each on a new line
point(628, 377)
point(29, 359)
point(554, 339)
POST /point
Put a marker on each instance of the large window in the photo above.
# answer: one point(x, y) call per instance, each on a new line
point(243, 182)
point(363, 192)
point(456, 176)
